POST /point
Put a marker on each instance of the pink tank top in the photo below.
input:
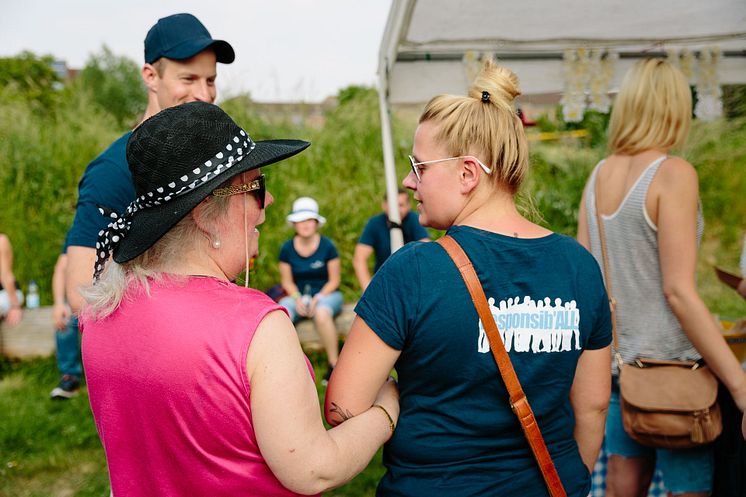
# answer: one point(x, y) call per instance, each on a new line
point(169, 390)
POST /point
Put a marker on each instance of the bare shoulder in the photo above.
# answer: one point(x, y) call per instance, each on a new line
point(677, 169)
point(275, 338)
point(676, 176)
point(275, 329)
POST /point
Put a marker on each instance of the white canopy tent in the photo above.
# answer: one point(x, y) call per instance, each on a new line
point(427, 45)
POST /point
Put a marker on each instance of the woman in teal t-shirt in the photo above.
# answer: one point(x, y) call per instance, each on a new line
point(310, 271)
point(457, 435)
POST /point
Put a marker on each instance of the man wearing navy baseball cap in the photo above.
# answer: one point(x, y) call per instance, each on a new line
point(180, 66)
point(180, 57)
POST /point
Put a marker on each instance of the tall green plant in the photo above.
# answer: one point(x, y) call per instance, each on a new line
point(115, 86)
point(30, 79)
point(41, 160)
point(43, 157)
point(343, 170)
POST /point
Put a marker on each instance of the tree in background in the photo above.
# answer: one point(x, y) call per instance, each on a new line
point(48, 133)
point(29, 78)
point(354, 92)
point(734, 100)
point(115, 86)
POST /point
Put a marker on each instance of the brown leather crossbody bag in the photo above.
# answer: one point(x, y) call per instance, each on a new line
point(667, 404)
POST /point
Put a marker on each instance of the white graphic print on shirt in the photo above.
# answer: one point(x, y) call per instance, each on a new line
point(534, 326)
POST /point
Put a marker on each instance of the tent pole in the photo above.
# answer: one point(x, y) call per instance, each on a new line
point(397, 238)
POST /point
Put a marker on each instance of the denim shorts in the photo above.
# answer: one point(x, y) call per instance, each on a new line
point(684, 470)
point(332, 301)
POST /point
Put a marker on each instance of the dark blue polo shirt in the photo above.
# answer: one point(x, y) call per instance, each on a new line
point(376, 234)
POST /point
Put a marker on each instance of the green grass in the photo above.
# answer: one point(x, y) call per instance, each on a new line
point(51, 448)
point(47, 448)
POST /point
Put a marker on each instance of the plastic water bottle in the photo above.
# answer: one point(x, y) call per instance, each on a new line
point(32, 299)
point(306, 298)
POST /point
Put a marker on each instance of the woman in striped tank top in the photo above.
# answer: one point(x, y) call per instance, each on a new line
point(649, 204)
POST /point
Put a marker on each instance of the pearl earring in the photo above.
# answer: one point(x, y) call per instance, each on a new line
point(216, 244)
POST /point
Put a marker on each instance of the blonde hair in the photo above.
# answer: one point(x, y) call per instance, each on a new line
point(485, 124)
point(653, 109)
point(107, 293)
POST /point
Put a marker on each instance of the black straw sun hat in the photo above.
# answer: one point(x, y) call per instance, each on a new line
point(177, 158)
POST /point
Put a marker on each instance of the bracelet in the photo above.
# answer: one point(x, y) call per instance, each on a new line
point(295, 295)
point(391, 421)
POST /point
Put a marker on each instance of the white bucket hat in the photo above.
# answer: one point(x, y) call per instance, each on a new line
point(305, 208)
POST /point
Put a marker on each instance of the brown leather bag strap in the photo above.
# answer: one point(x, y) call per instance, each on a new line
point(518, 401)
point(607, 274)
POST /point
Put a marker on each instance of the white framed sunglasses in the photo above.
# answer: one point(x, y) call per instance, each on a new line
point(416, 166)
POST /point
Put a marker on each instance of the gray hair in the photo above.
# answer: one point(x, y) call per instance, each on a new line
point(155, 264)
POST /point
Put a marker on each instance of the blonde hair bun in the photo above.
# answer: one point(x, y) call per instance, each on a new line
point(500, 83)
point(484, 124)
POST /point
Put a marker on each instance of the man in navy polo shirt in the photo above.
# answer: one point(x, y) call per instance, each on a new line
point(376, 237)
point(180, 66)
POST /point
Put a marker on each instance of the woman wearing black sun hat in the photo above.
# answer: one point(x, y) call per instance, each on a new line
point(199, 386)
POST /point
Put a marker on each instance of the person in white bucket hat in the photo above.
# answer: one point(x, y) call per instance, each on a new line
point(305, 208)
point(310, 272)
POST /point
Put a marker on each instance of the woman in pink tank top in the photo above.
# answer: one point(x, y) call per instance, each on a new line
point(198, 386)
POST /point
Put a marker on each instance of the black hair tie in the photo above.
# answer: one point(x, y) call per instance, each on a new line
point(485, 96)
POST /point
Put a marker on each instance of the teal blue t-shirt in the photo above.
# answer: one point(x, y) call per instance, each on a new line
point(311, 271)
point(457, 435)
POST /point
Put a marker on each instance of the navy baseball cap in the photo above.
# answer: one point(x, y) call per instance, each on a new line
point(181, 36)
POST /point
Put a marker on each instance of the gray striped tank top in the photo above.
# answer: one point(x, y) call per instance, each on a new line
point(646, 326)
